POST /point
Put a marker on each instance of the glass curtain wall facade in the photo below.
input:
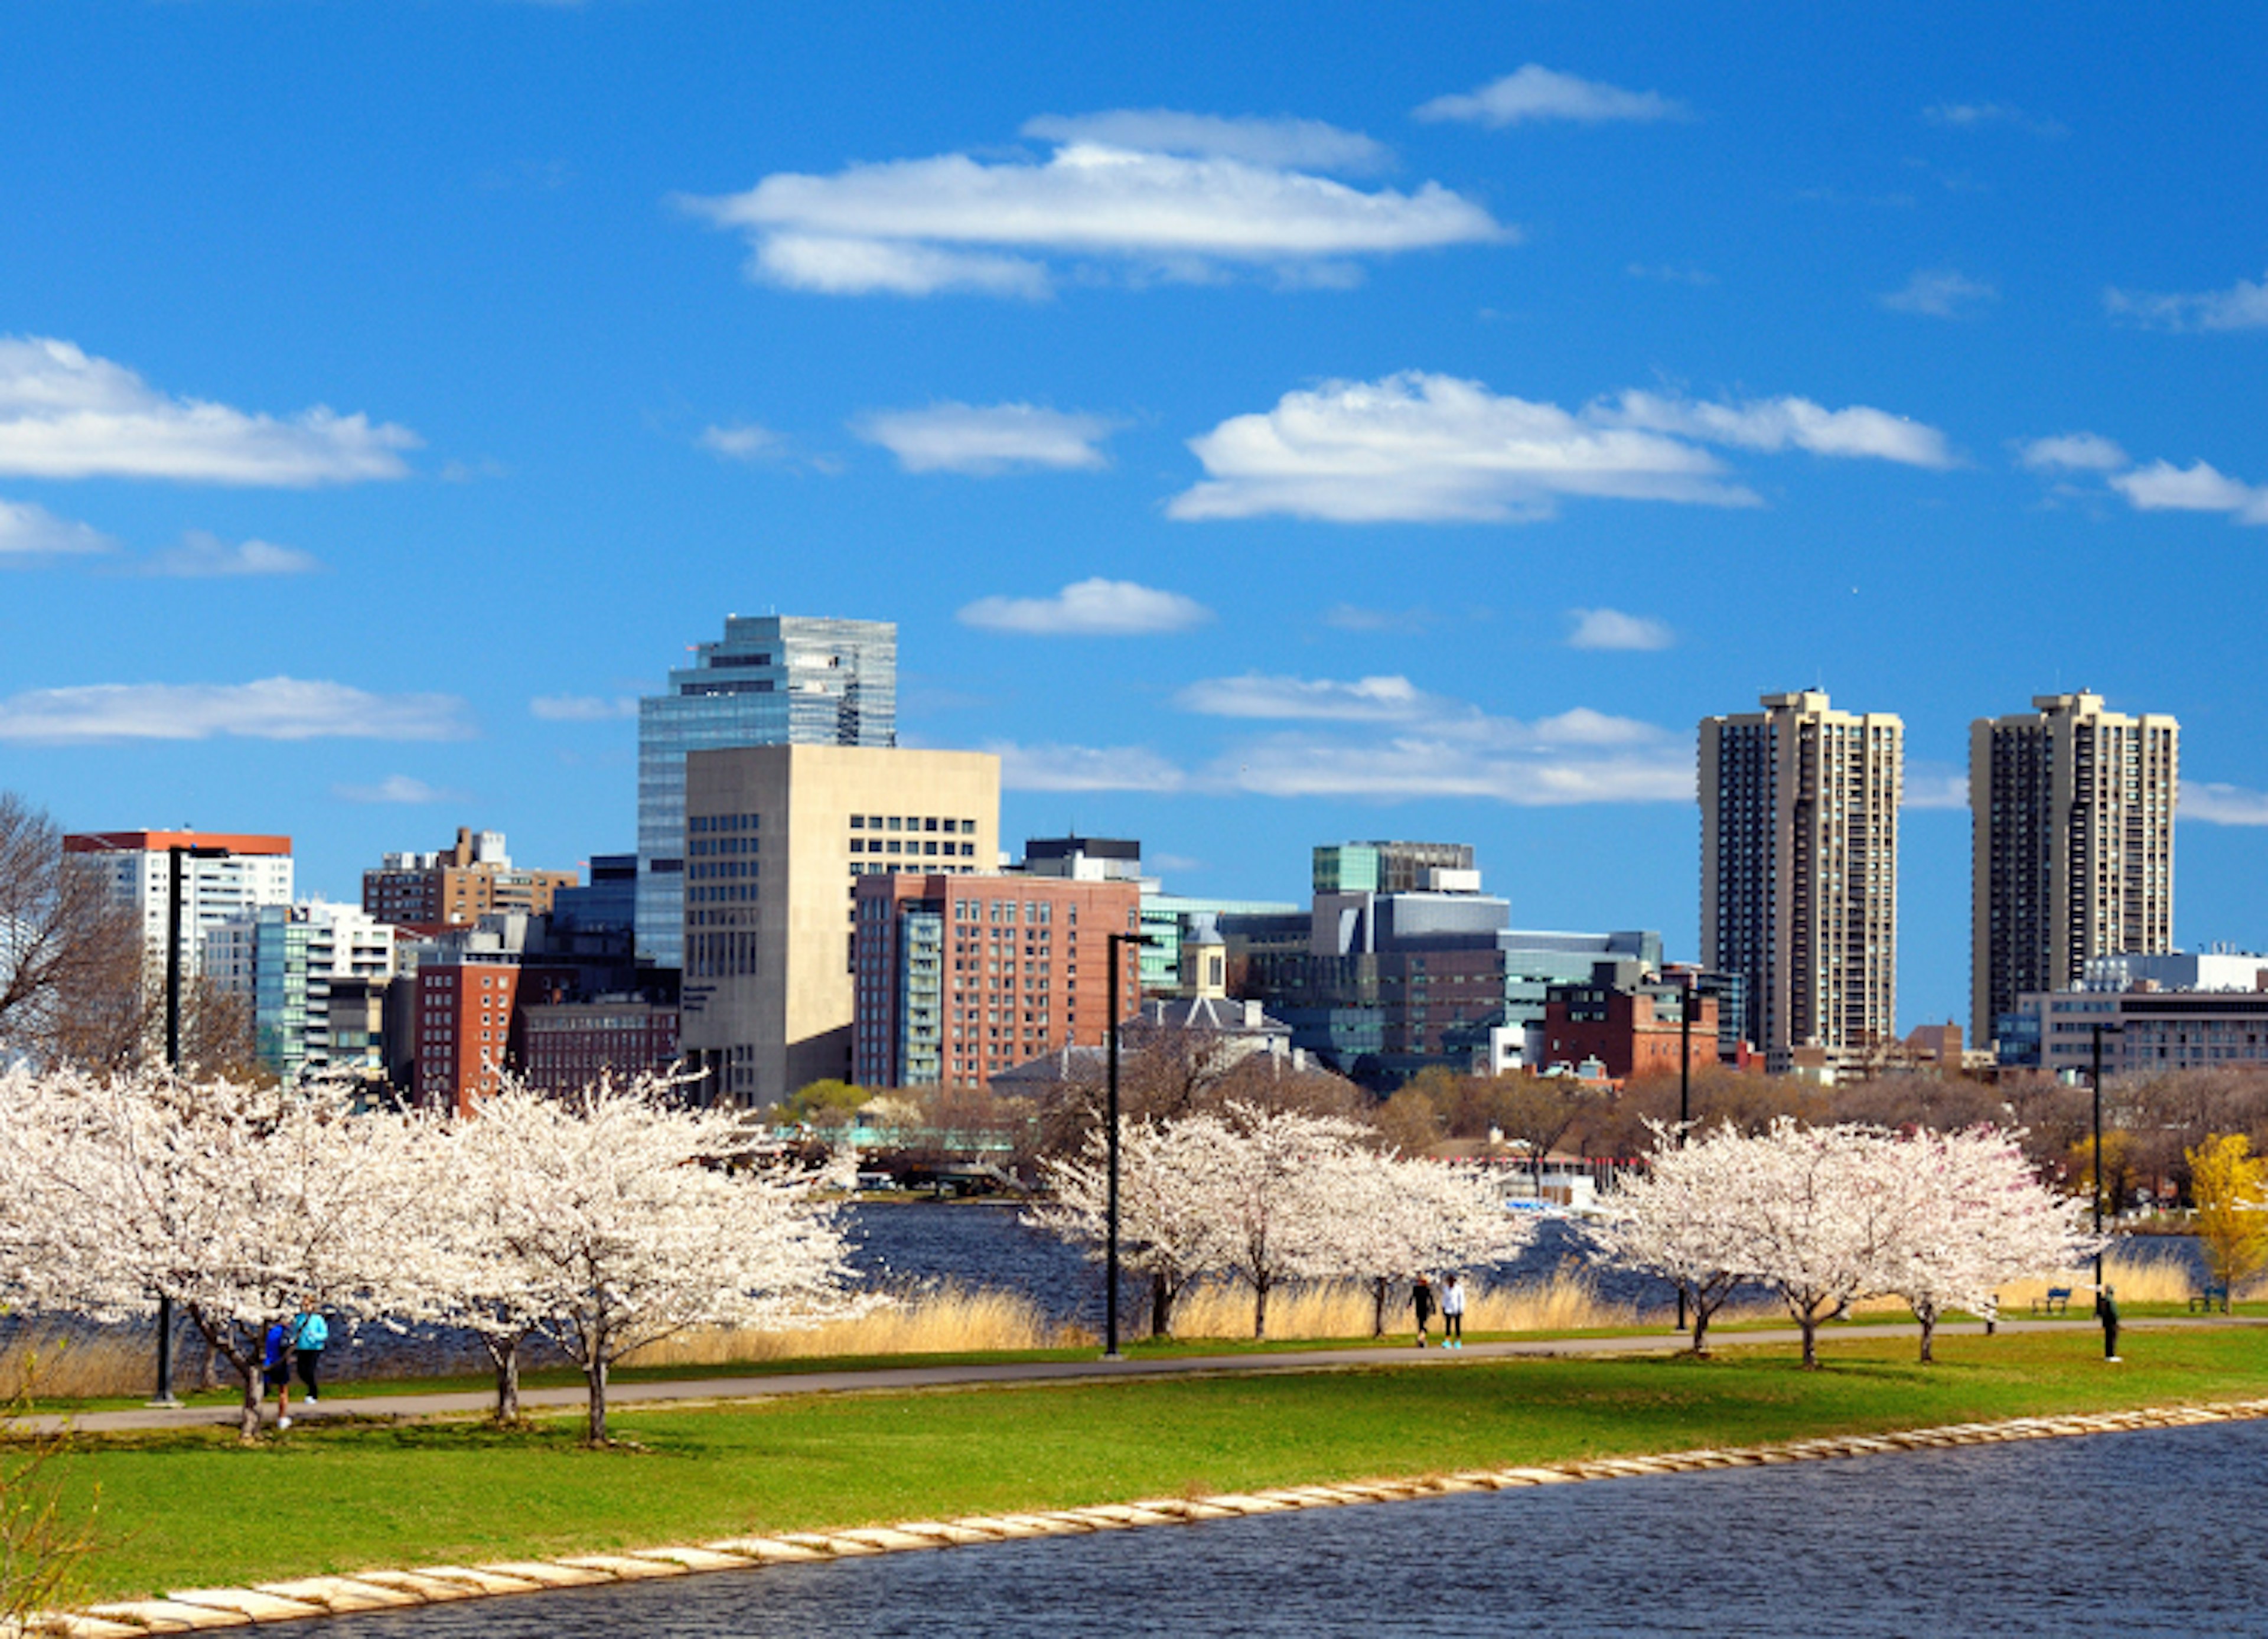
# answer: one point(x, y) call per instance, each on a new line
point(773, 680)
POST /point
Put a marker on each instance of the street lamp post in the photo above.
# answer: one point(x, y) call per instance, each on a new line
point(1684, 1092)
point(1117, 944)
point(2097, 1078)
point(174, 854)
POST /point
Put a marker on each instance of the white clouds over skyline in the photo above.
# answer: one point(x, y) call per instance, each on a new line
point(203, 556)
point(1096, 607)
point(917, 227)
point(2161, 487)
point(395, 788)
point(740, 441)
point(1940, 293)
point(1974, 115)
point(582, 708)
point(64, 414)
point(2242, 307)
point(1418, 447)
point(2071, 453)
point(984, 440)
point(32, 534)
point(1534, 93)
point(1057, 767)
point(273, 709)
point(1297, 144)
point(2221, 805)
point(1612, 629)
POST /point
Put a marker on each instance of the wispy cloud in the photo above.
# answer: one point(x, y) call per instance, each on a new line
point(1940, 293)
point(1349, 617)
point(917, 227)
point(582, 708)
point(65, 413)
point(2221, 805)
point(276, 708)
point(2242, 307)
point(1612, 629)
point(203, 556)
point(2071, 453)
point(1667, 273)
point(1301, 144)
point(1417, 447)
point(1365, 700)
point(395, 788)
point(985, 440)
point(1931, 785)
point(1057, 767)
point(1972, 115)
point(1533, 93)
point(2162, 486)
point(1090, 608)
point(30, 534)
point(741, 441)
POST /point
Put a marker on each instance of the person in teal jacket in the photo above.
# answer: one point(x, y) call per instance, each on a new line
point(309, 1332)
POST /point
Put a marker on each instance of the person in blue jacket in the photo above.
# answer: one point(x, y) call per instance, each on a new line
point(275, 1371)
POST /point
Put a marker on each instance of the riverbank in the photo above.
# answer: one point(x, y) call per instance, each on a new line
point(186, 1508)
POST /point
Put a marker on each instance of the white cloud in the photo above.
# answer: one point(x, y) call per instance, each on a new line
point(2071, 453)
point(987, 439)
point(395, 788)
point(1090, 608)
point(1669, 272)
point(740, 441)
point(1349, 617)
point(581, 708)
point(1970, 115)
point(1407, 767)
point(202, 555)
point(1612, 629)
point(1418, 447)
point(1535, 93)
point(30, 534)
point(1929, 785)
point(2242, 307)
point(276, 708)
point(913, 227)
point(1084, 769)
point(1781, 423)
point(2221, 805)
point(2161, 487)
point(1307, 144)
point(1940, 293)
point(64, 414)
point(1366, 700)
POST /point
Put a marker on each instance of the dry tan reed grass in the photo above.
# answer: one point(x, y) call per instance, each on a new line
point(948, 1320)
point(89, 1366)
point(1565, 1301)
point(2138, 1275)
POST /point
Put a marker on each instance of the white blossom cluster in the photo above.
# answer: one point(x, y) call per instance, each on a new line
point(1263, 1196)
point(604, 1222)
point(1826, 1216)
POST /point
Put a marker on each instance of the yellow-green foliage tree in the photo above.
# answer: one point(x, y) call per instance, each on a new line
point(2229, 1184)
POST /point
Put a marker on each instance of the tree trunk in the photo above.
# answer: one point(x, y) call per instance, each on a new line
point(1928, 1333)
point(1809, 1321)
point(595, 1374)
point(1380, 1289)
point(1161, 1304)
point(247, 1420)
point(506, 1356)
point(1700, 1312)
point(1259, 1310)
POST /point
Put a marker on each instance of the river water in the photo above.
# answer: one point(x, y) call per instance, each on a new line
point(2154, 1532)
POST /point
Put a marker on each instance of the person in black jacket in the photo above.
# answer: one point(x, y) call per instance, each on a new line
point(2106, 1309)
point(1421, 1300)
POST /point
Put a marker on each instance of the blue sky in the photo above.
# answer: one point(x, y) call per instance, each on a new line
point(1267, 424)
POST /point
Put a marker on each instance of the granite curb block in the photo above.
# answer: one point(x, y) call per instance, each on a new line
point(191, 1609)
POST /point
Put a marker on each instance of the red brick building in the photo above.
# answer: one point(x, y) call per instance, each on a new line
point(558, 1047)
point(958, 977)
point(1631, 1025)
point(462, 1025)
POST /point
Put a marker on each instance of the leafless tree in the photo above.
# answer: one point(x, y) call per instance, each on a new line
point(65, 946)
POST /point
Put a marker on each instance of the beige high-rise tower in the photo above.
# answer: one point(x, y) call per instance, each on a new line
point(1799, 871)
point(2071, 812)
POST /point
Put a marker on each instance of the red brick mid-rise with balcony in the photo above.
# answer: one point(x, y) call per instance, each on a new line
point(961, 977)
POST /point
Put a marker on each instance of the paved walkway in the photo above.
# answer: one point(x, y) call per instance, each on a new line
point(887, 1378)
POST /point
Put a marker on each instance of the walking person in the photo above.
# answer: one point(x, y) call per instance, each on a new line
point(2106, 1309)
point(275, 1371)
point(309, 1332)
point(1421, 1301)
point(1453, 1312)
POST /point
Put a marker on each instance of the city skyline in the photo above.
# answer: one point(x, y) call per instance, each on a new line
point(1388, 432)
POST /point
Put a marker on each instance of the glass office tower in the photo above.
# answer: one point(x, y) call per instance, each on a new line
point(774, 680)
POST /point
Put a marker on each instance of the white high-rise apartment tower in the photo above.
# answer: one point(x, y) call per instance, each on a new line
point(2071, 814)
point(1799, 871)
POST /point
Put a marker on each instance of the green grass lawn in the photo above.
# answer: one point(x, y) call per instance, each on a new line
point(195, 1508)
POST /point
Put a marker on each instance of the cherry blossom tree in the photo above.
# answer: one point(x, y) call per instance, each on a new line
point(634, 1220)
point(244, 1204)
point(1685, 1219)
point(1167, 1230)
point(1972, 1216)
point(1397, 1216)
point(1277, 1183)
point(1822, 1217)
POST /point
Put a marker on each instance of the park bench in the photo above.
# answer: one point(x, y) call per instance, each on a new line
point(2215, 1295)
point(2058, 1301)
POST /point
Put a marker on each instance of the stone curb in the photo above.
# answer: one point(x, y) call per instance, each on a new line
point(193, 1609)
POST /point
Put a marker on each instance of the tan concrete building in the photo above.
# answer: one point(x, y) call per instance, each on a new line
point(776, 838)
point(456, 886)
point(1799, 873)
point(2072, 815)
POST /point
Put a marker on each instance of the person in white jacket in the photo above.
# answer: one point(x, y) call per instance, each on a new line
point(1453, 1312)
